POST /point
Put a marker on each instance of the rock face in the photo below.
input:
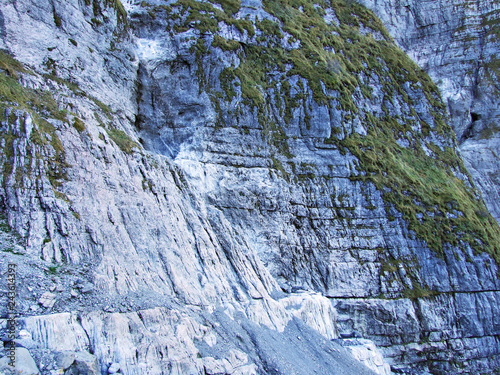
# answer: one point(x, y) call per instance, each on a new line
point(205, 188)
point(457, 43)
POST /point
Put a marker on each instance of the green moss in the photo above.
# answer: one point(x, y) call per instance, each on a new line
point(329, 57)
point(104, 107)
point(489, 131)
point(122, 140)
point(224, 44)
point(277, 165)
point(12, 93)
point(97, 6)
point(205, 17)
point(492, 68)
point(120, 11)
point(20, 102)
point(11, 250)
point(330, 62)
point(53, 270)
point(270, 28)
point(96, 22)
point(57, 19)
point(438, 206)
point(72, 41)
point(230, 6)
point(4, 226)
point(390, 266)
point(10, 65)
point(78, 124)
point(417, 291)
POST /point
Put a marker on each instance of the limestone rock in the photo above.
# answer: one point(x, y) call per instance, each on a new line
point(113, 368)
point(65, 359)
point(215, 207)
point(24, 363)
point(47, 300)
point(454, 43)
point(24, 334)
point(84, 363)
point(367, 353)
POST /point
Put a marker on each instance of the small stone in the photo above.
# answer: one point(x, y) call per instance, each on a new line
point(19, 250)
point(87, 288)
point(24, 363)
point(24, 334)
point(47, 300)
point(435, 336)
point(52, 288)
point(213, 366)
point(114, 368)
point(26, 343)
point(73, 293)
point(85, 363)
point(65, 359)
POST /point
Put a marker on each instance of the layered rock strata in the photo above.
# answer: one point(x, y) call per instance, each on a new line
point(457, 43)
point(221, 188)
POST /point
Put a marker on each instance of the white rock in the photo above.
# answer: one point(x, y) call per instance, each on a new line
point(24, 363)
point(47, 300)
point(24, 334)
point(114, 368)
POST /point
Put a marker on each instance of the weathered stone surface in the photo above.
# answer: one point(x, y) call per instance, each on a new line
point(65, 359)
point(24, 363)
point(204, 235)
point(84, 363)
point(367, 353)
point(47, 300)
point(113, 368)
point(149, 341)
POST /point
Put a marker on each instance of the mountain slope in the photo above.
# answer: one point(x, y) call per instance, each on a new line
point(457, 43)
point(197, 171)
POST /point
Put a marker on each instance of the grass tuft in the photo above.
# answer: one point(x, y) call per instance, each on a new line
point(122, 140)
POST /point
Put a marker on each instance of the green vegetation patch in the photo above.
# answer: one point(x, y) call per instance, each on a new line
point(97, 5)
point(15, 95)
point(53, 270)
point(18, 102)
point(78, 124)
point(10, 66)
point(417, 291)
point(122, 140)
point(336, 62)
point(438, 206)
point(205, 17)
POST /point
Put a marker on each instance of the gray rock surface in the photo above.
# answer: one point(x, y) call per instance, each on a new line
point(65, 359)
point(24, 363)
point(84, 363)
point(47, 300)
point(202, 238)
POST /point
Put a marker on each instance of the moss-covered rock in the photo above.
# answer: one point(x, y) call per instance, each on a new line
point(341, 51)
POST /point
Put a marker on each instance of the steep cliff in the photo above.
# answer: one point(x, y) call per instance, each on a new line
point(221, 187)
point(457, 44)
